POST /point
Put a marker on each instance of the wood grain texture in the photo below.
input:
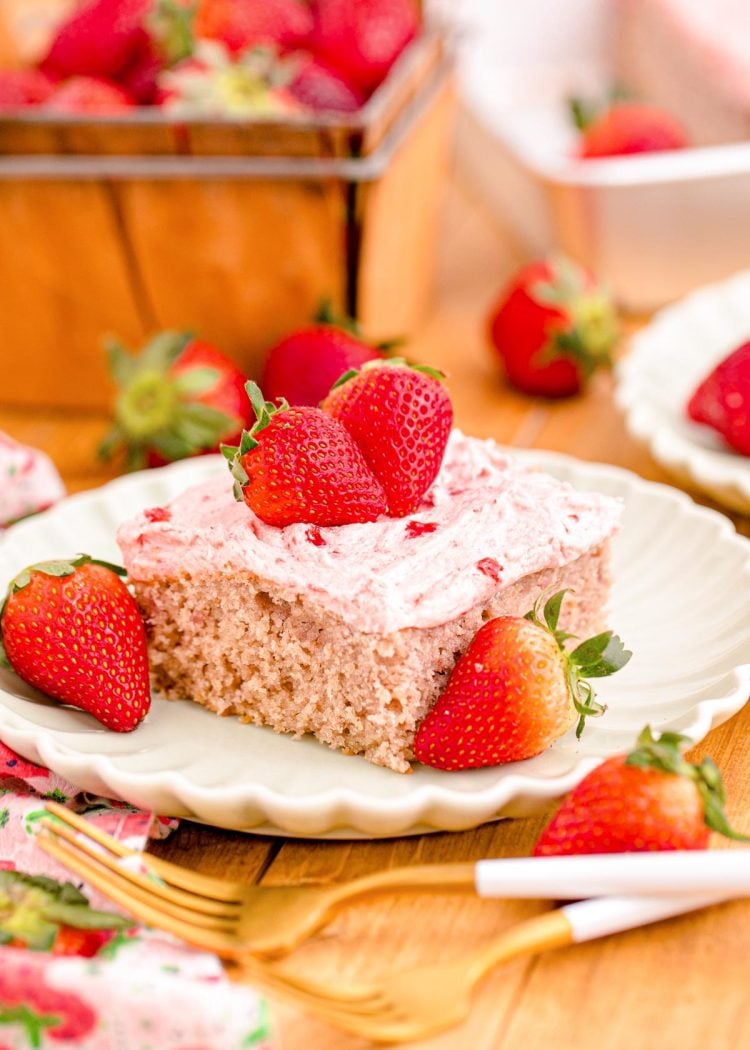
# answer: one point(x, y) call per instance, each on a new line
point(680, 984)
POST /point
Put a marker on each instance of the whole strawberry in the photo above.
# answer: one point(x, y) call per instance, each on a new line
point(363, 39)
point(23, 87)
point(722, 400)
point(321, 88)
point(178, 398)
point(98, 39)
point(95, 658)
point(304, 366)
point(552, 327)
point(650, 799)
point(624, 127)
point(239, 24)
point(89, 95)
point(515, 691)
point(401, 418)
point(300, 465)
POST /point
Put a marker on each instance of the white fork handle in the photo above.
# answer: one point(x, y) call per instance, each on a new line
point(604, 915)
point(668, 873)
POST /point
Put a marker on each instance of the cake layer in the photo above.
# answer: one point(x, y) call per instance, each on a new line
point(230, 642)
point(485, 524)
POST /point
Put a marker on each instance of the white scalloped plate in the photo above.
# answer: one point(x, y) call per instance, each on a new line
point(681, 601)
point(667, 360)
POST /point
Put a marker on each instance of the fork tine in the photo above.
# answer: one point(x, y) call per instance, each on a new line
point(182, 878)
point(362, 997)
point(211, 940)
point(171, 895)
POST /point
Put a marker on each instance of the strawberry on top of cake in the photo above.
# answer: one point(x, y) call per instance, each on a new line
point(487, 522)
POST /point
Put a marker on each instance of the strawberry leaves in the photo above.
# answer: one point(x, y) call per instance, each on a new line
point(665, 753)
point(264, 413)
point(161, 407)
point(597, 657)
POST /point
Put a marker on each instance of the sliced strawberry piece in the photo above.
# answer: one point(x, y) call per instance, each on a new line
point(722, 400)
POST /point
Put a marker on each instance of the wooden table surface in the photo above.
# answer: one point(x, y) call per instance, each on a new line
point(683, 983)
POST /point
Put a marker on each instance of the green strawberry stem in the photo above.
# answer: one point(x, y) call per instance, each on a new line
point(664, 753)
point(155, 409)
point(264, 412)
point(61, 567)
point(591, 330)
point(598, 657)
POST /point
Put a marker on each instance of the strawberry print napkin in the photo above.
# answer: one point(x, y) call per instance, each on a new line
point(140, 989)
point(29, 481)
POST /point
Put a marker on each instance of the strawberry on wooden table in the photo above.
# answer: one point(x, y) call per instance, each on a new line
point(625, 127)
point(722, 400)
point(650, 799)
point(179, 397)
point(304, 365)
point(400, 416)
point(299, 465)
point(515, 691)
point(551, 327)
point(72, 629)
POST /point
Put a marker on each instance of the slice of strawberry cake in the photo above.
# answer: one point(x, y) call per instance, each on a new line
point(350, 631)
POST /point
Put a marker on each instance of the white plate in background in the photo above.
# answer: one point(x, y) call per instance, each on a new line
point(667, 360)
point(681, 602)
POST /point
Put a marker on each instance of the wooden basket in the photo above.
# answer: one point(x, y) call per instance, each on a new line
point(233, 230)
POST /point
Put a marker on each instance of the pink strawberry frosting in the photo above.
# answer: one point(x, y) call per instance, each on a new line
point(487, 521)
point(28, 480)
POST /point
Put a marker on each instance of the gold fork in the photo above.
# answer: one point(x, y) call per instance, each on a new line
point(228, 918)
point(213, 914)
point(420, 1002)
